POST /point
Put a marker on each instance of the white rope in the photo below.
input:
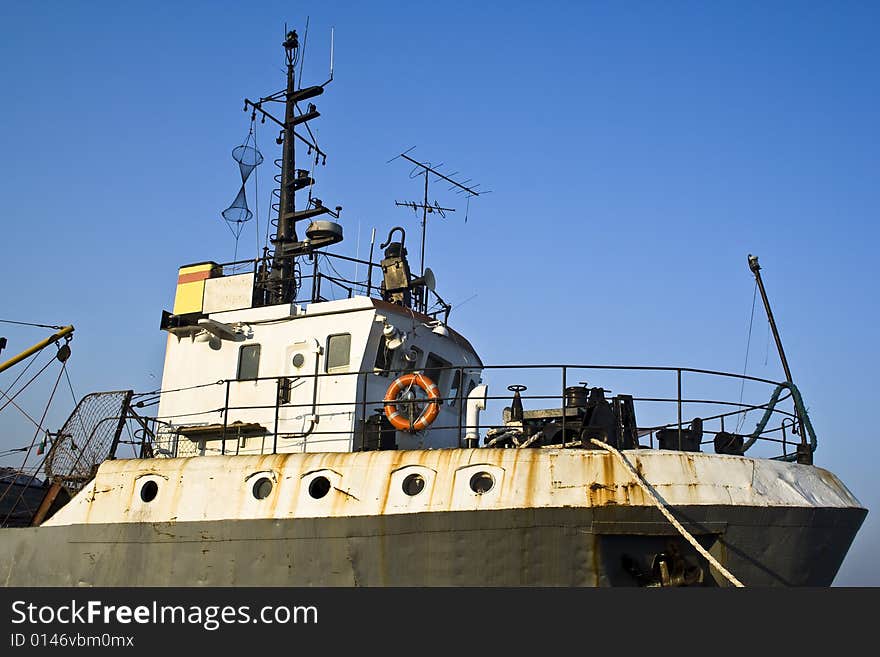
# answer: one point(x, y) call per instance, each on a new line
point(675, 523)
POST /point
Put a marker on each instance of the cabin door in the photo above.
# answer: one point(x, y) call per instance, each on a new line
point(298, 396)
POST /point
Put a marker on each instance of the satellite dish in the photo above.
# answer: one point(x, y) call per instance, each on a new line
point(430, 281)
point(427, 280)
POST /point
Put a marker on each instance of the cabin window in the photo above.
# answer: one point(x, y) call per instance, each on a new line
point(470, 387)
point(383, 357)
point(454, 388)
point(338, 352)
point(434, 368)
point(249, 362)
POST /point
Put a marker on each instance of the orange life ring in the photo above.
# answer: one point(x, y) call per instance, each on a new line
point(428, 415)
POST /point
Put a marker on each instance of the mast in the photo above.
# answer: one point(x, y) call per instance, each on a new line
point(283, 285)
point(279, 284)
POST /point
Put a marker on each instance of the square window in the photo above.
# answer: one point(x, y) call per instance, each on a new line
point(249, 362)
point(434, 368)
point(338, 352)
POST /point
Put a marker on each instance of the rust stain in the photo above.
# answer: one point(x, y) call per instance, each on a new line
point(337, 501)
point(606, 465)
point(274, 497)
point(637, 466)
point(384, 491)
point(552, 459)
point(511, 485)
point(95, 491)
point(130, 500)
point(174, 503)
point(156, 529)
point(531, 482)
point(602, 493)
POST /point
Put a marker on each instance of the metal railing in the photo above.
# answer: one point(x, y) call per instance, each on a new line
point(319, 286)
point(656, 409)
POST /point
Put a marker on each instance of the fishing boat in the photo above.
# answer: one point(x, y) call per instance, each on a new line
point(318, 430)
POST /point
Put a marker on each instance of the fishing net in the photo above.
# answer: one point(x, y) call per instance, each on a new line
point(248, 158)
point(88, 438)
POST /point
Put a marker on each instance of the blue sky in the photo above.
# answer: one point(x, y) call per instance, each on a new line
point(636, 153)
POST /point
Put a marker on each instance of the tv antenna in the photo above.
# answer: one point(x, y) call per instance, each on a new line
point(426, 169)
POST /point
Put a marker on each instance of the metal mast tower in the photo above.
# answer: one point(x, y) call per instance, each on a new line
point(278, 283)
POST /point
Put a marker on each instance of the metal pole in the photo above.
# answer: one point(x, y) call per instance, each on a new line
point(365, 379)
point(225, 419)
point(679, 407)
point(564, 377)
point(277, 404)
point(67, 330)
point(315, 286)
point(370, 266)
point(756, 270)
point(460, 403)
point(424, 226)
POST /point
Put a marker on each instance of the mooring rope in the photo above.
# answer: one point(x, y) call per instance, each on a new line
point(675, 523)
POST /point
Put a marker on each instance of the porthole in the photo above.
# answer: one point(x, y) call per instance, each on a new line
point(262, 488)
point(149, 491)
point(319, 487)
point(482, 482)
point(413, 484)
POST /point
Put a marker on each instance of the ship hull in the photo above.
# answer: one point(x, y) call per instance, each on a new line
point(762, 546)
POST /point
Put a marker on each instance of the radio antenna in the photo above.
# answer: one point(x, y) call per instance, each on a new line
point(302, 57)
point(331, 55)
point(427, 170)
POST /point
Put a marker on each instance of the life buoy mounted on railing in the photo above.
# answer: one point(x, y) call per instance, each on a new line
point(428, 415)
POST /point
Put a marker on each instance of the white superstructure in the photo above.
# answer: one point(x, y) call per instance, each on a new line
point(309, 375)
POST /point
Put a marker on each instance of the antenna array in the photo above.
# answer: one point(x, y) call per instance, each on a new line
point(432, 172)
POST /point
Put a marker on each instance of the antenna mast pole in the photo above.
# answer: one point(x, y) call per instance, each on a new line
point(284, 285)
point(424, 227)
point(280, 285)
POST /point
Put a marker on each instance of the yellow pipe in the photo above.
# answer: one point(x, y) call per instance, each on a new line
point(67, 330)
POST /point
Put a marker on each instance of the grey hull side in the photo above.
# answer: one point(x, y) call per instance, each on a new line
point(513, 547)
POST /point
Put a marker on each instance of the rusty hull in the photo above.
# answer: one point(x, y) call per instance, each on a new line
point(552, 518)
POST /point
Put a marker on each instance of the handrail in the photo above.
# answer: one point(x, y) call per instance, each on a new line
point(365, 287)
point(364, 405)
